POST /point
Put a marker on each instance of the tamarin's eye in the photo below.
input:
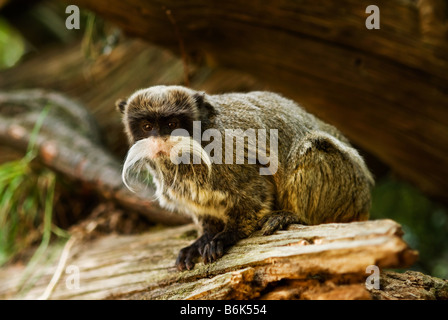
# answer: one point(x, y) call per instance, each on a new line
point(173, 124)
point(146, 126)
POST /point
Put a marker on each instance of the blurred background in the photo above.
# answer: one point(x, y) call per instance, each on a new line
point(385, 89)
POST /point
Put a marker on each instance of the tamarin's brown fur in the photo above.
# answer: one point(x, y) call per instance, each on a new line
point(320, 177)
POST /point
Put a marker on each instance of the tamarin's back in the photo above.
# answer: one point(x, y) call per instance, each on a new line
point(267, 110)
point(312, 156)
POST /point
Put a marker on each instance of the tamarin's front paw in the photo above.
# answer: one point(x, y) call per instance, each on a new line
point(185, 258)
point(187, 255)
point(214, 249)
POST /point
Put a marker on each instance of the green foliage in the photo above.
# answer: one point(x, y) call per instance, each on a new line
point(425, 223)
point(26, 203)
point(12, 45)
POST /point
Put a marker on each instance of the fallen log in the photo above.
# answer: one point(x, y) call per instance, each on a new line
point(410, 285)
point(327, 261)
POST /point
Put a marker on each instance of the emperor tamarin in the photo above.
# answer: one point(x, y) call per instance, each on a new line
point(318, 177)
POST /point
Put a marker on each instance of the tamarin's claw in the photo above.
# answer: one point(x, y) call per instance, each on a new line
point(212, 251)
point(185, 258)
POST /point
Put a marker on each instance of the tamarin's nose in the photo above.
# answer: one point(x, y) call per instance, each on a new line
point(158, 147)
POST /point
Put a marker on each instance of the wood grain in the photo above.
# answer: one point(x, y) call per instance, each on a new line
point(313, 262)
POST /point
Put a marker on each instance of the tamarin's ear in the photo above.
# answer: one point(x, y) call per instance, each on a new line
point(206, 110)
point(120, 104)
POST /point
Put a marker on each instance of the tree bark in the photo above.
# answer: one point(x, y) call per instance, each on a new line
point(386, 89)
point(304, 262)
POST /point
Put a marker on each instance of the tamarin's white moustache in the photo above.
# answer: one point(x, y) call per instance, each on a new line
point(149, 148)
point(136, 153)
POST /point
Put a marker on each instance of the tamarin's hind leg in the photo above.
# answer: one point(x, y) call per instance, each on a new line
point(326, 181)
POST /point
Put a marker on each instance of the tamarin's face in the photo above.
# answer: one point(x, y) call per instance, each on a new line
point(158, 111)
point(153, 116)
